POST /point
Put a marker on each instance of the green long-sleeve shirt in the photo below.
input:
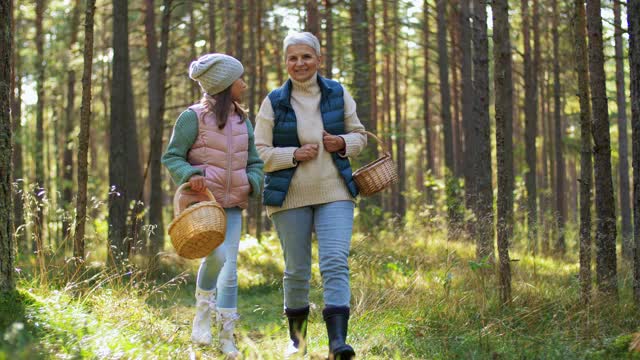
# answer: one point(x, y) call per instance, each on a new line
point(184, 135)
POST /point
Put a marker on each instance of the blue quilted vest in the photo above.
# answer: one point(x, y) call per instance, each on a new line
point(285, 134)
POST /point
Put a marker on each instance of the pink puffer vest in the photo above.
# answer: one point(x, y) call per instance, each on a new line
point(222, 155)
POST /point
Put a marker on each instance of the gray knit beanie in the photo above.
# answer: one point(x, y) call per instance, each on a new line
point(215, 72)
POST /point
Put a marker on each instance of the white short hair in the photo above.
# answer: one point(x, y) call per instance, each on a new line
point(302, 38)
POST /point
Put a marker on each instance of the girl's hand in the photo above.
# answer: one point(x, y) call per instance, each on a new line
point(306, 152)
point(196, 182)
point(332, 143)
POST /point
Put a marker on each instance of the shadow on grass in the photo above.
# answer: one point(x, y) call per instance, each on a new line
point(19, 338)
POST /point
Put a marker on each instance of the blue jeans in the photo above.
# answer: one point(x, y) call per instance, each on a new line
point(219, 269)
point(333, 224)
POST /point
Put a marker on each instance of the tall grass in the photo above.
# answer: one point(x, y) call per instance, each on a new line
point(415, 295)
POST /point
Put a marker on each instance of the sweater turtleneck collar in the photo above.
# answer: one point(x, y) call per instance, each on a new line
point(309, 87)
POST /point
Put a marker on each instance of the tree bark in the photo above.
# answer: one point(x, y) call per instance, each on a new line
point(467, 109)
point(124, 175)
point(386, 99)
point(85, 126)
point(504, 145)
point(530, 120)
point(605, 204)
point(16, 100)
point(211, 13)
point(426, 96)
point(561, 203)
point(194, 88)
point(157, 58)
point(228, 26)
point(312, 24)
point(445, 109)
point(239, 53)
point(623, 160)
point(586, 167)
point(328, 46)
point(633, 21)
point(7, 255)
point(539, 125)
point(483, 206)
point(399, 118)
point(67, 155)
point(39, 186)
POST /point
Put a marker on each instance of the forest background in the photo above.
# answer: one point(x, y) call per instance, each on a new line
point(513, 231)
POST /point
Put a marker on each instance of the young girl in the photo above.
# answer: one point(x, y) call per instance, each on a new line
point(212, 147)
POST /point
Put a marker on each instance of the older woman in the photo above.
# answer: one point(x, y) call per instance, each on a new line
point(305, 132)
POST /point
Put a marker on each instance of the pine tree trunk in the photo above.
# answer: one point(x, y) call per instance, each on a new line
point(373, 123)
point(228, 26)
point(386, 100)
point(312, 24)
point(7, 281)
point(211, 13)
point(605, 203)
point(481, 125)
point(561, 205)
point(456, 119)
point(633, 20)
point(39, 186)
point(124, 175)
point(67, 155)
point(539, 167)
point(85, 125)
point(16, 100)
point(453, 216)
point(426, 96)
point(586, 167)
point(361, 64)
point(467, 108)
point(239, 35)
point(194, 88)
point(262, 91)
point(504, 146)
point(623, 159)
point(157, 58)
point(530, 120)
point(328, 46)
point(399, 118)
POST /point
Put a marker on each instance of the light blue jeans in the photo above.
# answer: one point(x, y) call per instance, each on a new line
point(333, 224)
point(220, 269)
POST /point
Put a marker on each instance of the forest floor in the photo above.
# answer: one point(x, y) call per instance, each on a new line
point(415, 296)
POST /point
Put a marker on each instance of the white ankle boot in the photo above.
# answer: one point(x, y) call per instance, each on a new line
point(226, 323)
point(205, 306)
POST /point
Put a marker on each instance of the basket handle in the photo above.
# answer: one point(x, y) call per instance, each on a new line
point(381, 143)
point(182, 201)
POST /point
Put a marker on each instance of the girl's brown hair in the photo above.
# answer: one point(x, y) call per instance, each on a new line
point(220, 104)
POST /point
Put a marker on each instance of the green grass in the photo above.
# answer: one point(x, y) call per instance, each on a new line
point(414, 296)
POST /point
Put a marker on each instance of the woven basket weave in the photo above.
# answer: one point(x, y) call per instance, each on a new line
point(197, 230)
point(377, 175)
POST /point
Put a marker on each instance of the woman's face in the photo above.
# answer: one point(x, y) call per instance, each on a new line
point(302, 62)
point(237, 89)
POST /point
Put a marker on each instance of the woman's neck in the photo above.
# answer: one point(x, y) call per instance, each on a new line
point(309, 86)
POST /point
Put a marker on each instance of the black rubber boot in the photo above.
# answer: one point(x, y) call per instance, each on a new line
point(337, 320)
point(298, 319)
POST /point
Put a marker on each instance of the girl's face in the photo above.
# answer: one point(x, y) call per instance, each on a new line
point(302, 62)
point(237, 89)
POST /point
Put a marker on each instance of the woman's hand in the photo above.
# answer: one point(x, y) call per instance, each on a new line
point(306, 152)
point(332, 143)
point(196, 182)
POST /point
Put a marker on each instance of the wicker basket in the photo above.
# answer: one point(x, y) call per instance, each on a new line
point(377, 175)
point(198, 229)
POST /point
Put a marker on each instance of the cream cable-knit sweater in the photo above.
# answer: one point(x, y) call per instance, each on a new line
point(315, 181)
